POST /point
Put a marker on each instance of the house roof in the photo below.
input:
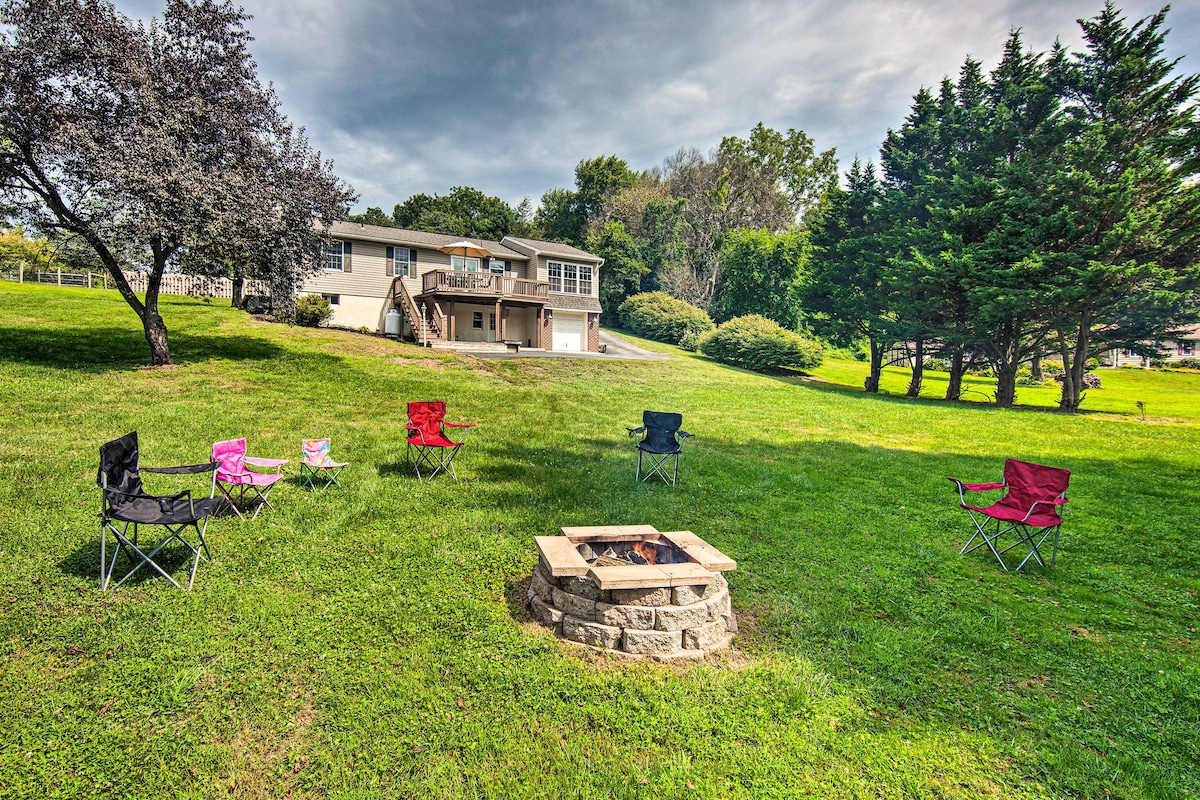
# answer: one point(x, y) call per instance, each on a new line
point(380, 233)
point(553, 249)
point(573, 302)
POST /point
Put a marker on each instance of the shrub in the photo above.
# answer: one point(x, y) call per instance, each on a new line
point(756, 342)
point(690, 341)
point(1052, 368)
point(1188, 363)
point(657, 315)
point(312, 310)
point(938, 364)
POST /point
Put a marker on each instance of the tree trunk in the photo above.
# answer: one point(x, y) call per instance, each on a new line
point(1035, 369)
point(918, 370)
point(238, 286)
point(871, 384)
point(152, 321)
point(1006, 383)
point(1074, 366)
point(957, 368)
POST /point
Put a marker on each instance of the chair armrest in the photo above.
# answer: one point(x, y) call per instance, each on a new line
point(414, 429)
point(193, 469)
point(267, 462)
point(684, 434)
point(636, 431)
point(1050, 501)
point(972, 487)
point(460, 424)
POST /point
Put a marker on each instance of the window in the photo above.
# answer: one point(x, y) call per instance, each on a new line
point(495, 266)
point(492, 321)
point(463, 264)
point(477, 320)
point(333, 256)
point(333, 299)
point(401, 265)
point(569, 278)
point(1187, 348)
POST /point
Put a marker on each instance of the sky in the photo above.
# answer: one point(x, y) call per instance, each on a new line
point(409, 96)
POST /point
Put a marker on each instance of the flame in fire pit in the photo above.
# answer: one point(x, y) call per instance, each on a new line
point(647, 551)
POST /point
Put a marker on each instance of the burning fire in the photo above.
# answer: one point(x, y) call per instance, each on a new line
point(647, 551)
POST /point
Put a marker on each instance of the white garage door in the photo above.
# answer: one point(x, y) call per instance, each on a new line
point(569, 332)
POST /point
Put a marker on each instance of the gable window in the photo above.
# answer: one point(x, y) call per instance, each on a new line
point(464, 264)
point(333, 253)
point(569, 278)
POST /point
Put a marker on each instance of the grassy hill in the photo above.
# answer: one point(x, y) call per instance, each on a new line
point(372, 640)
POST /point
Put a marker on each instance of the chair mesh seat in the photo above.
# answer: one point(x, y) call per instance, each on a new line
point(150, 510)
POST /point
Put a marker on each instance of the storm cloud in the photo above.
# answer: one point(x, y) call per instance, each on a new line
point(419, 96)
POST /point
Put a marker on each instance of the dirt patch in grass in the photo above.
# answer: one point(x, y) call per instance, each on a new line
point(257, 756)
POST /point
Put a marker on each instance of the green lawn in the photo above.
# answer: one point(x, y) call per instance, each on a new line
point(372, 640)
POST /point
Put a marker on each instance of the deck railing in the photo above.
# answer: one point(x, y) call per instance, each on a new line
point(484, 283)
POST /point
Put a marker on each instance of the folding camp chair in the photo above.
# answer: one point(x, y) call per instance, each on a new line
point(232, 472)
point(1029, 507)
point(317, 467)
point(663, 441)
point(429, 445)
point(125, 502)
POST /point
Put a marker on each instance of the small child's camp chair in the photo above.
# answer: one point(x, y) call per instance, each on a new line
point(317, 468)
point(232, 471)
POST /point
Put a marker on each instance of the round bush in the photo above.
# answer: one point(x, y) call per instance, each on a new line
point(312, 310)
point(756, 342)
point(658, 316)
point(1188, 363)
point(1090, 380)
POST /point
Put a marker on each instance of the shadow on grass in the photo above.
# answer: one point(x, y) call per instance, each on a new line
point(103, 349)
point(174, 559)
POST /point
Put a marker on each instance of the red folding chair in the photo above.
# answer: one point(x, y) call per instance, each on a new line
point(1029, 507)
point(429, 445)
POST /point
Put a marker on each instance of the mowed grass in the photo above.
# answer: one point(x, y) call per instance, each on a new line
point(372, 641)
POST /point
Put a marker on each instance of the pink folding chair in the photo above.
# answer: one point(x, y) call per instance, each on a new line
point(233, 474)
point(1029, 507)
point(317, 466)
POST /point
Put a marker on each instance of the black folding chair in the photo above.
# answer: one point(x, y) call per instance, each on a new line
point(662, 442)
point(125, 503)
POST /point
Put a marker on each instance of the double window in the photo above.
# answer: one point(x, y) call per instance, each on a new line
point(333, 255)
point(569, 278)
point(464, 264)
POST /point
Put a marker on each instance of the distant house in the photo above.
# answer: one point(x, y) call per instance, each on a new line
point(525, 292)
point(1186, 346)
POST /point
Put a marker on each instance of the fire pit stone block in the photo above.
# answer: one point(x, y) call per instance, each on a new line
point(656, 596)
point(573, 604)
point(590, 633)
point(651, 642)
point(705, 637)
point(582, 587)
point(544, 613)
point(686, 595)
point(639, 618)
point(678, 618)
point(542, 586)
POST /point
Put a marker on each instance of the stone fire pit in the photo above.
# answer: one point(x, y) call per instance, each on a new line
point(629, 589)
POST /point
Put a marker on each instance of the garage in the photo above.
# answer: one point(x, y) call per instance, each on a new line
point(570, 331)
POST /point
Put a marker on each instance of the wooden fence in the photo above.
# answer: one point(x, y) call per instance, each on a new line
point(189, 285)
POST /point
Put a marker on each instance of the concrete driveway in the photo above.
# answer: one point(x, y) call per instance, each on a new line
point(615, 347)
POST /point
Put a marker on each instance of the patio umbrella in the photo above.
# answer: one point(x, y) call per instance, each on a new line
point(466, 249)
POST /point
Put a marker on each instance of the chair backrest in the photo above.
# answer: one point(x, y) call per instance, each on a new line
point(316, 452)
point(661, 427)
point(427, 417)
point(1027, 483)
point(119, 466)
point(231, 456)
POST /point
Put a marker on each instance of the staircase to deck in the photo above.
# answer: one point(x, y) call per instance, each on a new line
point(434, 320)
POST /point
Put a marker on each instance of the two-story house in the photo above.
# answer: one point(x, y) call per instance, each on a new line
point(520, 291)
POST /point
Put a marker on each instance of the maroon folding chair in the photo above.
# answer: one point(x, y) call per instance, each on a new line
point(1030, 506)
point(429, 445)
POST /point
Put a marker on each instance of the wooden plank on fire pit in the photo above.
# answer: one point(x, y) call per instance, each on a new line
point(631, 577)
point(610, 533)
point(561, 557)
point(700, 551)
point(687, 574)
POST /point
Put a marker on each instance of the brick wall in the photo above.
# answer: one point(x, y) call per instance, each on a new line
point(546, 334)
point(593, 333)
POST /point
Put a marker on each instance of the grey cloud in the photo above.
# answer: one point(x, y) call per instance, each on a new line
point(507, 97)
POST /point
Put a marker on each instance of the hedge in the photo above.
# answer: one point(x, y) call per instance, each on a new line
point(755, 342)
point(658, 316)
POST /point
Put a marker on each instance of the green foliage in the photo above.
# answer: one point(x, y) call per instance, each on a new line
point(312, 310)
point(657, 315)
point(34, 253)
point(374, 216)
point(761, 273)
point(623, 268)
point(755, 342)
point(463, 212)
point(1187, 363)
